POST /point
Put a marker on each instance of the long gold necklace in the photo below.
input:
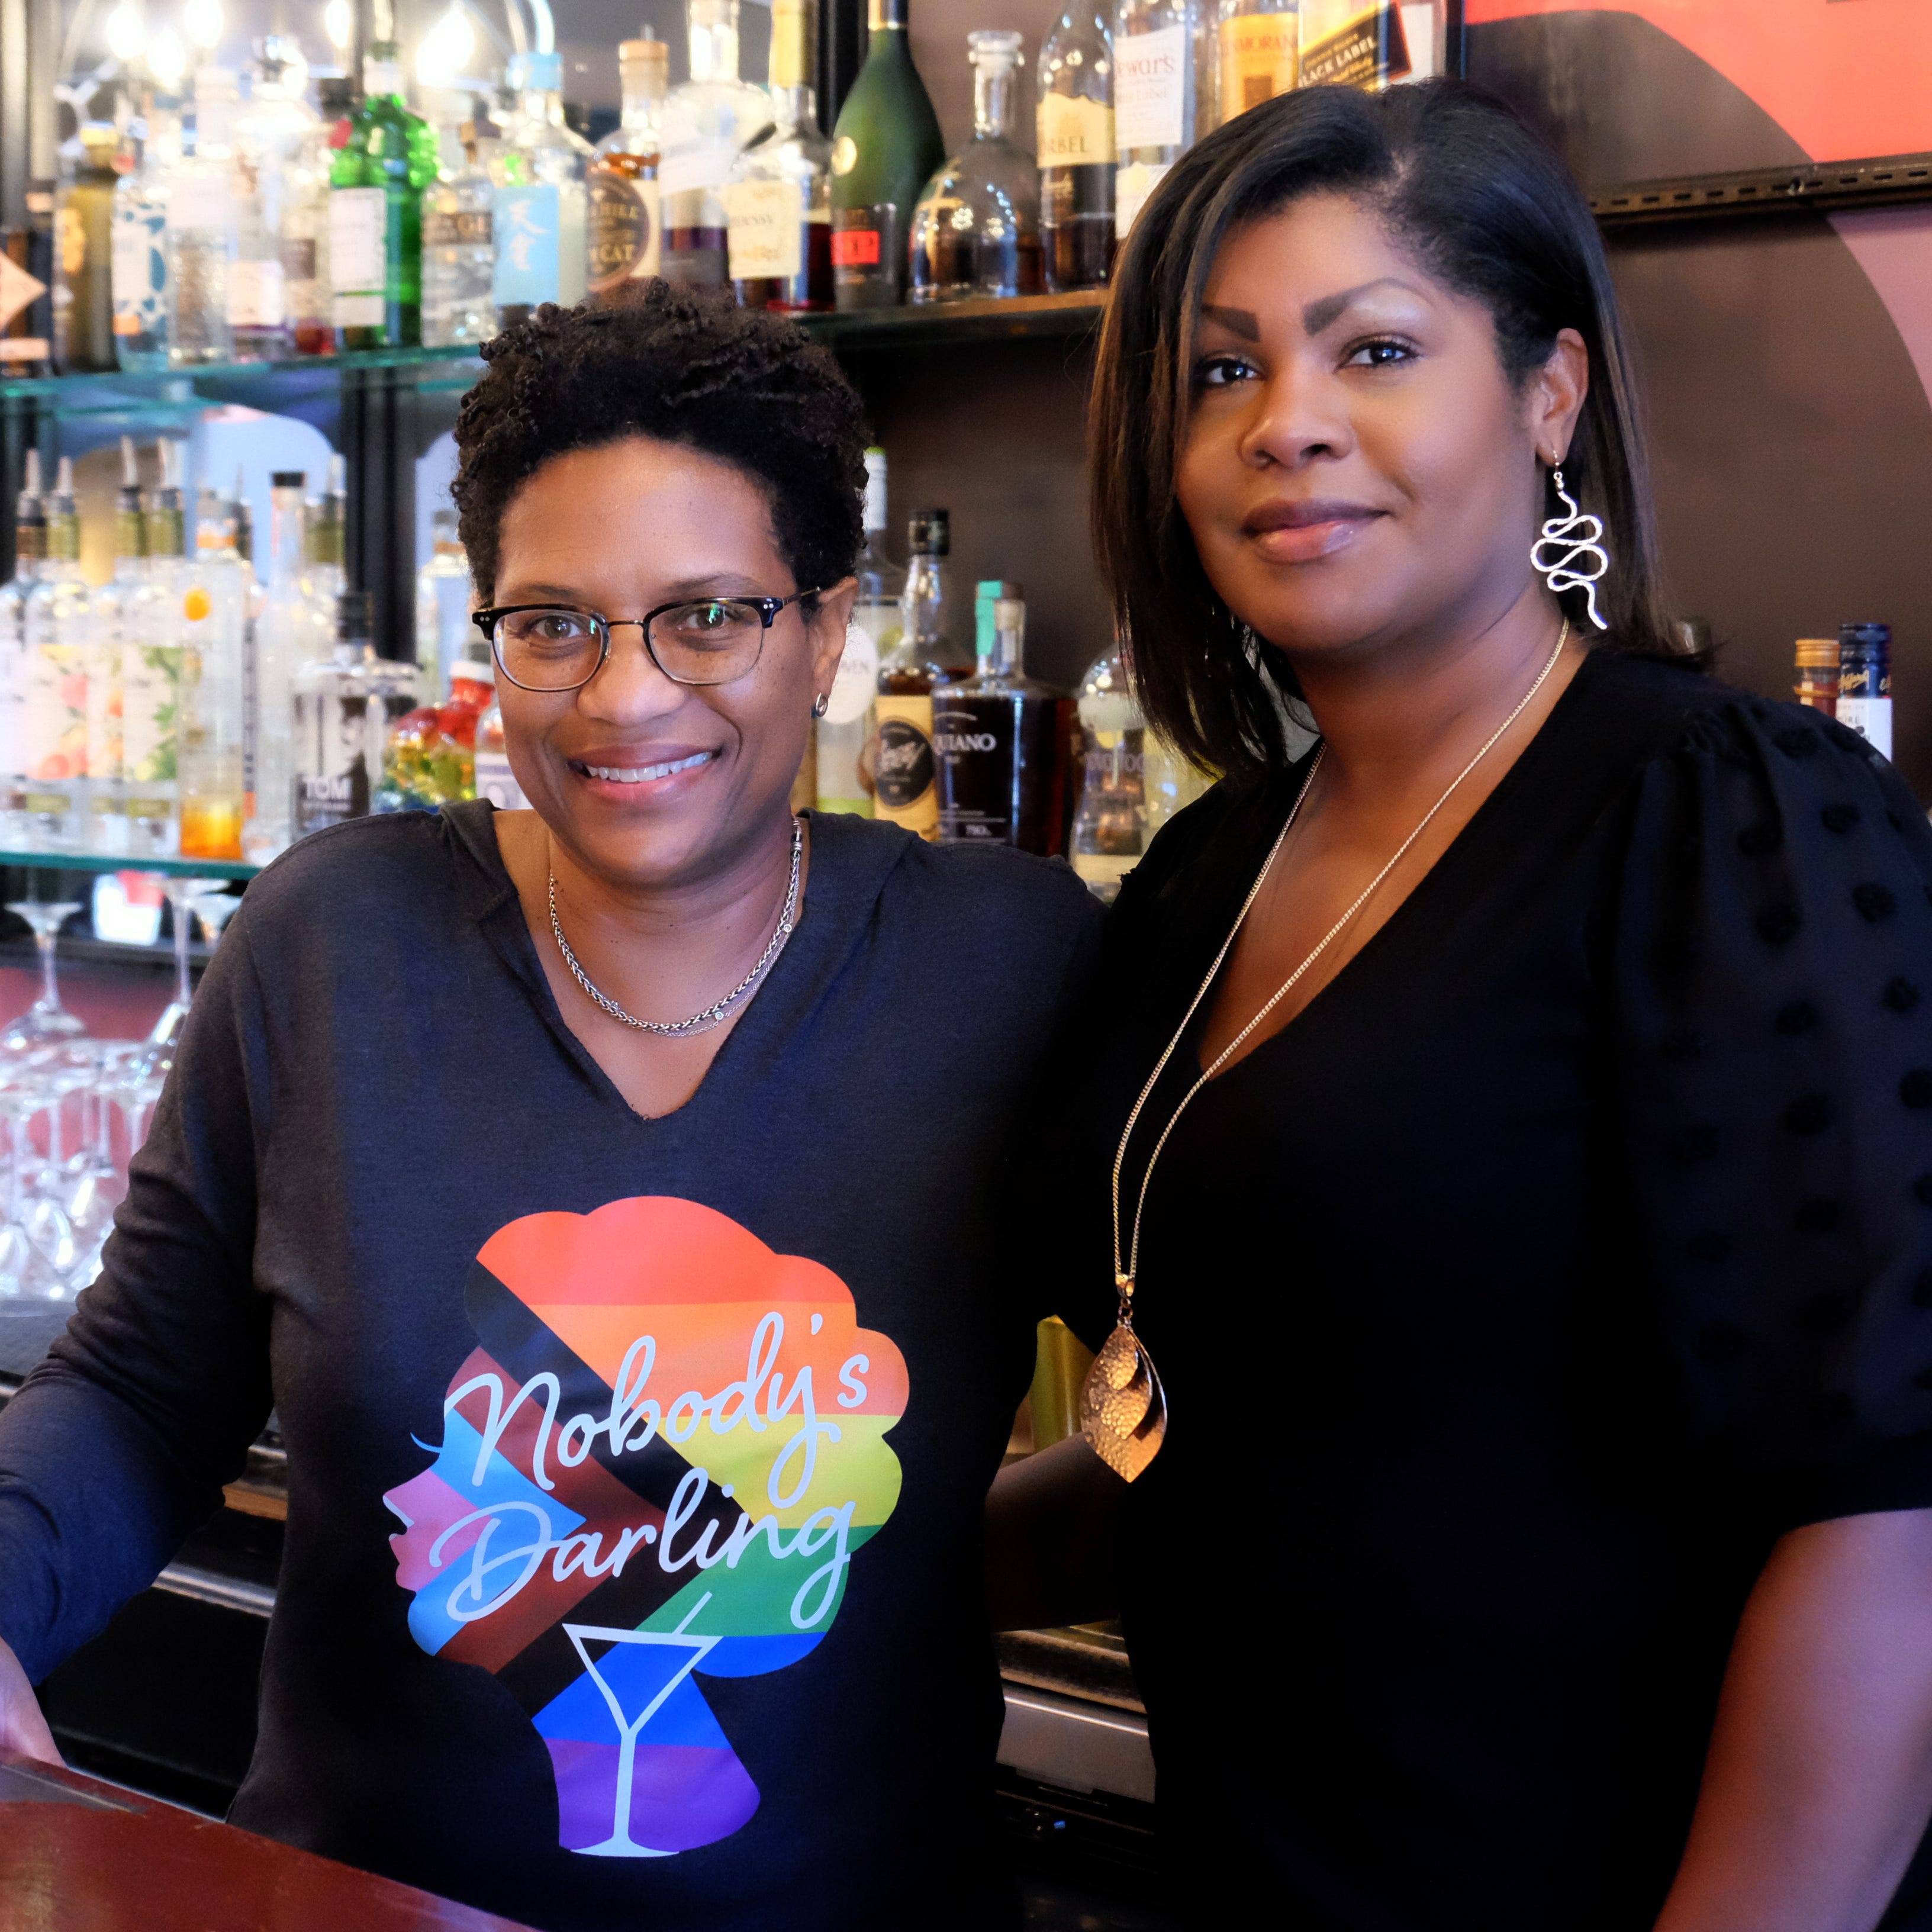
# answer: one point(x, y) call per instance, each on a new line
point(1122, 1406)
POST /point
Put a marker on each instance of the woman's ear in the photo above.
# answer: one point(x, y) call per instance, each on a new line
point(1556, 394)
point(828, 622)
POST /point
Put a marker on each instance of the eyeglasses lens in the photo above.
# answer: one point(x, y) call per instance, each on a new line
point(548, 650)
point(710, 642)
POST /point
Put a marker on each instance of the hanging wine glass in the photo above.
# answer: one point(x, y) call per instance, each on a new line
point(46, 1018)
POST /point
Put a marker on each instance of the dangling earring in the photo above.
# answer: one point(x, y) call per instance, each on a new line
point(1572, 537)
point(821, 704)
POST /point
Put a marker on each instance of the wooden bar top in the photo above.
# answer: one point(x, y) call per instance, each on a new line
point(76, 1853)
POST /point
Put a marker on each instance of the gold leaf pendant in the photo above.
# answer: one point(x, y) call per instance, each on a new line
point(1122, 1407)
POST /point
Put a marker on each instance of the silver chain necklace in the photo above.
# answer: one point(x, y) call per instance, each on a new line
point(698, 1022)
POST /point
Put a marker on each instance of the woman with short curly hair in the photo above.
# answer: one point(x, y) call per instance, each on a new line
point(606, 1197)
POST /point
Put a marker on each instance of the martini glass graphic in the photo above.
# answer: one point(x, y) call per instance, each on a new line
point(644, 1684)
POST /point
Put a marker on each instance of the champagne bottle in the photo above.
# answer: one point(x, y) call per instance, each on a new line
point(884, 149)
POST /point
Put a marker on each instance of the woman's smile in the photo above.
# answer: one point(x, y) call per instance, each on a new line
point(640, 774)
point(1286, 531)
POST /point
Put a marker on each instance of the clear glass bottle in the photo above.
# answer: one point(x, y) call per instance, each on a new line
point(709, 121)
point(293, 626)
point(1258, 53)
point(779, 200)
point(845, 733)
point(83, 291)
point(56, 635)
point(976, 231)
point(341, 722)
point(203, 229)
point(311, 284)
point(211, 724)
point(274, 134)
point(150, 656)
point(328, 534)
point(540, 207)
point(1074, 123)
point(30, 550)
point(118, 608)
point(625, 241)
point(1162, 68)
point(459, 250)
point(444, 632)
point(1110, 821)
point(999, 740)
point(926, 656)
point(377, 181)
point(140, 250)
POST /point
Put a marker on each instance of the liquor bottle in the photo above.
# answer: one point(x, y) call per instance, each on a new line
point(118, 606)
point(1817, 684)
point(328, 531)
point(1110, 820)
point(540, 205)
point(779, 200)
point(202, 230)
point(30, 550)
point(1074, 127)
point(83, 291)
point(293, 626)
point(340, 730)
point(626, 243)
point(845, 733)
point(926, 657)
point(444, 632)
point(1353, 44)
point(495, 781)
point(976, 229)
point(1259, 54)
point(375, 213)
point(709, 121)
point(999, 740)
point(56, 631)
point(459, 248)
point(1865, 682)
point(211, 723)
point(885, 148)
point(272, 134)
point(140, 253)
point(150, 656)
point(1158, 78)
point(305, 256)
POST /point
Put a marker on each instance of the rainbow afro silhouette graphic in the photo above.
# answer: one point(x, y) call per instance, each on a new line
point(657, 1466)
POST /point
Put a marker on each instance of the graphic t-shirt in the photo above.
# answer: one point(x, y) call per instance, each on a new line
point(636, 1467)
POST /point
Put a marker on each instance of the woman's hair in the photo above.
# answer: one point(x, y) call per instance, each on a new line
point(1489, 212)
point(739, 384)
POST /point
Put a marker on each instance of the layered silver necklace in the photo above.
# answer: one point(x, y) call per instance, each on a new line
point(699, 1022)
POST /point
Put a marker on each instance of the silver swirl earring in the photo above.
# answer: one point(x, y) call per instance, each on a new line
point(821, 704)
point(1576, 541)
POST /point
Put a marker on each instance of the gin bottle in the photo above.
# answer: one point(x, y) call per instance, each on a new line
point(459, 253)
point(709, 121)
point(625, 242)
point(203, 230)
point(151, 654)
point(375, 213)
point(140, 251)
point(777, 201)
point(30, 550)
point(294, 626)
point(340, 724)
point(272, 134)
point(118, 608)
point(976, 231)
point(540, 202)
point(845, 732)
point(1074, 127)
point(57, 633)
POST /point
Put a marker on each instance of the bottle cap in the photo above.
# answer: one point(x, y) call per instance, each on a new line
point(355, 616)
point(473, 673)
point(643, 54)
point(288, 479)
point(930, 532)
point(1865, 637)
point(1817, 653)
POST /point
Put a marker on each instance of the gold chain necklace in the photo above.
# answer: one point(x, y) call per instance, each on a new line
point(1122, 1406)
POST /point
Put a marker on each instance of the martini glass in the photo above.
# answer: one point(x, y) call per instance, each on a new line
point(212, 902)
point(637, 1672)
point(161, 1035)
point(46, 1018)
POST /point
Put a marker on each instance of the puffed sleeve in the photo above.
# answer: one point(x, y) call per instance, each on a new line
point(1773, 986)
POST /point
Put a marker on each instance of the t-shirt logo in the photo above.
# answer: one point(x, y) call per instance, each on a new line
point(657, 1467)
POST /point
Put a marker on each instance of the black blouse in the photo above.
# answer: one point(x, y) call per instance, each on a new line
point(1573, 1244)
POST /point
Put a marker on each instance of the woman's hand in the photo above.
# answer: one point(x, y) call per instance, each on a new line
point(1819, 1780)
point(23, 1731)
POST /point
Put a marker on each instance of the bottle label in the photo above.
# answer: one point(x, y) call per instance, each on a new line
point(856, 247)
point(868, 250)
point(1133, 182)
point(150, 689)
point(358, 231)
point(298, 254)
point(1151, 83)
point(528, 261)
point(1870, 717)
point(204, 198)
point(255, 295)
point(1075, 133)
point(1345, 43)
point(457, 228)
point(903, 765)
point(972, 748)
point(1260, 56)
point(857, 678)
point(625, 239)
point(495, 781)
point(104, 748)
point(766, 237)
point(327, 800)
point(694, 165)
point(139, 269)
point(56, 720)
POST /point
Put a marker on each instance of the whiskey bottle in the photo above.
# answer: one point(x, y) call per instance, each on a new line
point(1259, 52)
point(1159, 78)
point(1074, 127)
point(1000, 740)
point(625, 243)
point(779, 200)
point(1353, 44)
point(709, 121)
point(926, 657)
point(1865, 682)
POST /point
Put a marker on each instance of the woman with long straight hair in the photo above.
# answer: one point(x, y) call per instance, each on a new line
point(1508, 1147)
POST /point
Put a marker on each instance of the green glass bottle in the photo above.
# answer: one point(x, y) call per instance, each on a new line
point(884, 149)
point(375, 214)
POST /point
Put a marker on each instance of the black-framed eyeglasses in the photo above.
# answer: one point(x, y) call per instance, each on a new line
point(698, 640)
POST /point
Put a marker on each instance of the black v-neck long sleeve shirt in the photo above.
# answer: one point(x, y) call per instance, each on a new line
point(636, 1467)
point(1573, 1244)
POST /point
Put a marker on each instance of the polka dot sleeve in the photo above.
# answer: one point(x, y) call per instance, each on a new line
point(1773, 989)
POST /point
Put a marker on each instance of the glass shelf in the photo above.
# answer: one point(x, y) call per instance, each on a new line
point(126, 862)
